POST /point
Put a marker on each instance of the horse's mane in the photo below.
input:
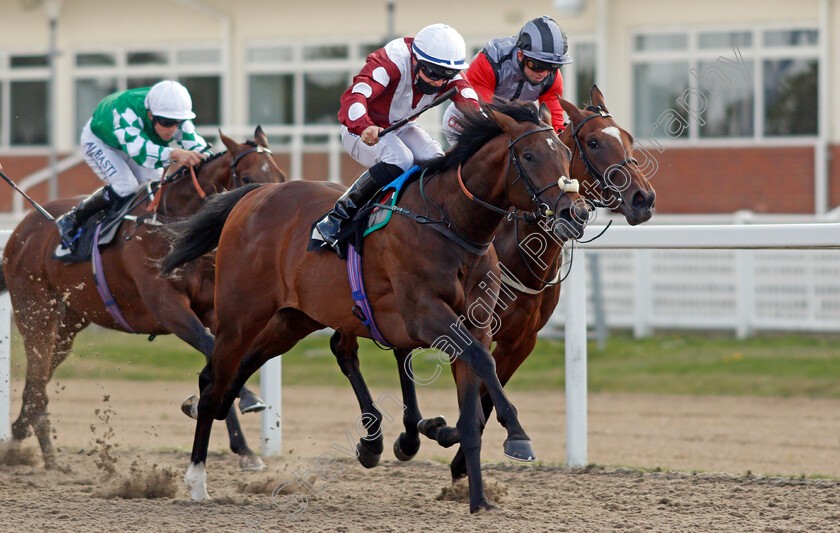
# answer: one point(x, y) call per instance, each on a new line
point(477, 128)
point(183, 170)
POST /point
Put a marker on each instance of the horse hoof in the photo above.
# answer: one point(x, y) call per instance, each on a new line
point(190, 406)
point(52, 464)
point(520, 450)
point(427, 424)
point(399, 453)
point(251, 463)
point(196, 482)
point(368, 458)
point(482, 507)
point(251, 403)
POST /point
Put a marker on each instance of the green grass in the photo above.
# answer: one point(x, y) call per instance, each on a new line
point(684, 363)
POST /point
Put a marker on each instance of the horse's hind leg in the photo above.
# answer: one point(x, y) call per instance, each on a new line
point(229, 370)
point(283, 331)
point(346, 351)
point(46, 347)
point(175, 314)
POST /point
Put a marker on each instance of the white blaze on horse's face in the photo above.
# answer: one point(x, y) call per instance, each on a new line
point(613, 132)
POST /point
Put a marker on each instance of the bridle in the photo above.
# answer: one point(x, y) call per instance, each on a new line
point(234, 176)
point(602, 179)
point(236, 180)
point(541, 208)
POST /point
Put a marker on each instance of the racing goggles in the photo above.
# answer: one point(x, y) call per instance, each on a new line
point(168, 122)
point(437, 72)
point(540, 66)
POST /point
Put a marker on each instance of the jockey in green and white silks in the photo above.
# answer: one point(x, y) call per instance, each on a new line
point(127, 143)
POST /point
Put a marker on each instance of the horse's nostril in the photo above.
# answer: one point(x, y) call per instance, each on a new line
point(643, 200)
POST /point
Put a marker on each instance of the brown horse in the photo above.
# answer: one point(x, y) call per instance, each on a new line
point(603, 163)
point(54, 301)
point(419, 282)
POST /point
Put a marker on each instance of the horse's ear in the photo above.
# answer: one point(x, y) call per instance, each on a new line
point(260, 137)
point(597, 98)
point(571, 109)
point(232, 146)
point(545, 113)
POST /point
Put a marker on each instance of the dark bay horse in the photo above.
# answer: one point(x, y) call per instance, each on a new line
point(419, 282)
point(609, 176)
point(54, 301)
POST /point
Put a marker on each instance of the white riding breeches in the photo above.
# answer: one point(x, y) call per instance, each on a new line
point(450, 125)
point(401, 147)
point(115, 167)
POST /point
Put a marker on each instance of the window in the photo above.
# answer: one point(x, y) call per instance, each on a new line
point(100, 73)
point(24, 100)
point(583, 54)
point(746, 83)
point(300, 86)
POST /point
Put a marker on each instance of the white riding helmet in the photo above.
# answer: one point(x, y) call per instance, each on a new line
point(441, 45)
point(170, 99)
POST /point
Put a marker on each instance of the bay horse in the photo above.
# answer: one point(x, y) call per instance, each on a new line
point(609, 176)
point(420, 283)
point(54, 301)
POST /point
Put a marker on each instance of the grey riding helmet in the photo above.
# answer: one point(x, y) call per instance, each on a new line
point(542, 39)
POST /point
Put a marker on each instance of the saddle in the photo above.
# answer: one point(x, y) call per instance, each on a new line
point(374, 215)
point(108, 221)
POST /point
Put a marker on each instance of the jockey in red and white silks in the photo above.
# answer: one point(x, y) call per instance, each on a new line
point(385, 92)
point(403, 77)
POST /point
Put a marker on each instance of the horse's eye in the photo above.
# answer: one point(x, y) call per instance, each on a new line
point(592, 143)
point(528, 157)
point(246, 180)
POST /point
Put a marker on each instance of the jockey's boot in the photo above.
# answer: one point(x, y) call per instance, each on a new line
point(346, 208)
point(69, 223)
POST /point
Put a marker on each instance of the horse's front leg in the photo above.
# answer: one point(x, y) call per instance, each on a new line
point(346, 351)
point(460, 344)
point(469, 428)
point(408, 443)
point(508, 356)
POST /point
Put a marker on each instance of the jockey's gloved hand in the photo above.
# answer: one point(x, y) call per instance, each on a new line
point(187, 157)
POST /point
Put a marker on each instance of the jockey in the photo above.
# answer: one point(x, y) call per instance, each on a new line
point(525, 67)
point(397, 80)
point(126, 143)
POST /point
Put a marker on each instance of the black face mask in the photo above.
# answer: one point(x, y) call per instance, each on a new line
point(424, 86)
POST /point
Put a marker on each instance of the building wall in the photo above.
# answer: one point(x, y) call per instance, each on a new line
point(761, 178)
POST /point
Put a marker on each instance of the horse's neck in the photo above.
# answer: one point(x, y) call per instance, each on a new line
point(540, 248)
point(470, 219)
point(182, 198)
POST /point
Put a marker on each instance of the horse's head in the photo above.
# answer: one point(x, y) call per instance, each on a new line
point(538, 169)
point(603, 161)
point(250, 162)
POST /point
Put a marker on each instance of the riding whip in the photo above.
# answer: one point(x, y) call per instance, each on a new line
point(35, 204)
point(402, 122)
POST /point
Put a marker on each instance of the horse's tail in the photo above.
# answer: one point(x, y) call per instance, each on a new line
point(3, 287)
point(200, 233)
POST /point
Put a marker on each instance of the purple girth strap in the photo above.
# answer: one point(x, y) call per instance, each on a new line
point(102, 285)
point(357, 286)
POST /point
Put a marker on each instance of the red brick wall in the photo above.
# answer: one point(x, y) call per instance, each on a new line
point(833, 176)
point(687, 180)
point(723, 180)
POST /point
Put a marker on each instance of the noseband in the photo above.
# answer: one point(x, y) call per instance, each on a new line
point(602, 179)
point(234, 176)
